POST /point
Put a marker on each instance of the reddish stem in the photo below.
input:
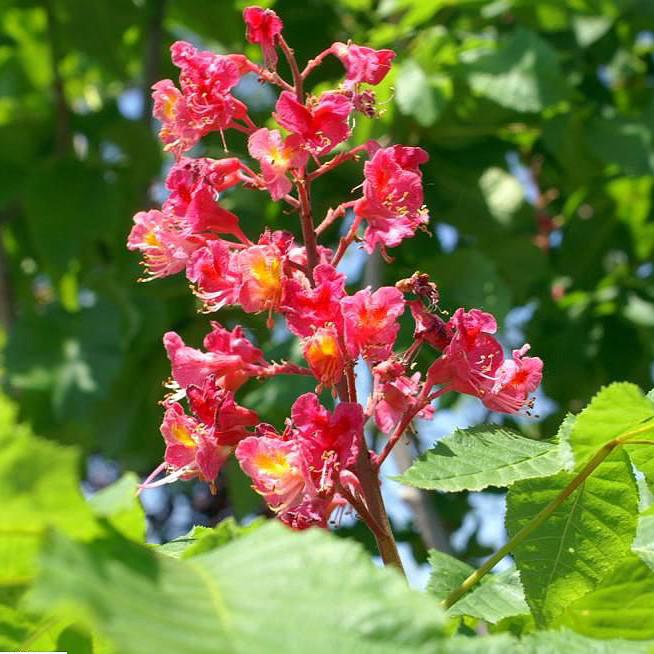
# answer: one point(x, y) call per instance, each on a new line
point(295, 71)
point(421, 402)
point(377, 519)
point(284, 368)
point(336, 161)
point(346, 241)
point(315, 62)
point(306, 219)
point(273, 77)
point(333, 215)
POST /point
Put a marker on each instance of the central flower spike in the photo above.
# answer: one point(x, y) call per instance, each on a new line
point(319, 462)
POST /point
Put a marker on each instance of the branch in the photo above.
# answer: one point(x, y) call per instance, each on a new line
point(292, 62)
point(336, 161)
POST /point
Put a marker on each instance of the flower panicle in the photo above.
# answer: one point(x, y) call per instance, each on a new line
point(313, 466)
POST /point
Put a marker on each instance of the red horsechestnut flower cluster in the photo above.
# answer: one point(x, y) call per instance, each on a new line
point(319, 460)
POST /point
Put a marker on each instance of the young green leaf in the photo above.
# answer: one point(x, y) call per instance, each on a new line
point(473, 459)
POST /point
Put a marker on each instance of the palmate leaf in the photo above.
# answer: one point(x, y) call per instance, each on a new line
point(581, 542)
point(473, 459)
point(495, 598)
point(622, 606)
point(271, 591)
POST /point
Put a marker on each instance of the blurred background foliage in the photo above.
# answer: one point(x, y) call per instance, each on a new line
point(538, 117)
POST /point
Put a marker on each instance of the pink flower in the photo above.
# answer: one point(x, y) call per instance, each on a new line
point(371, 324)
point(199, 445)
point(392, 202)
point(329, 442)
point(515, 380)
point(188, 175)
point(262, 27)
point(164, 241)
point(205, 103)
point(230, 358)
point(324, 356)
point(321, 125)
point(261, 268)
point(276, 469)
point(277, 157)
point(396, 396)
point(262, 271)
point(297, 471)
point(469, 361)
point(473, 363)
point(217, 408)
point(310, 512)
point(212, 271)
point(181, 434)
point(429, 327)
point(206, 80)
point(307, 308)
point(363, 64)
point(179, 129)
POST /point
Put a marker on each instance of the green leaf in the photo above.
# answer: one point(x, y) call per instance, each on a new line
point(644, 544)
point(58, 194)
point(523, 74)
point(623, 143)
point(39, 488)
point(616, 409)
point(416, 95)
point(543, 642)
point(473, 459)
point(503, 193)
point(495, 598)
point(496, 644)
point(622, 606)
point(204, 539)
point(500, 597)
point(272, 591)
point(447, 573)
point(557, 642)
point(73, 356)
point(589, 29)
point(581, 542)
point(119, 504)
